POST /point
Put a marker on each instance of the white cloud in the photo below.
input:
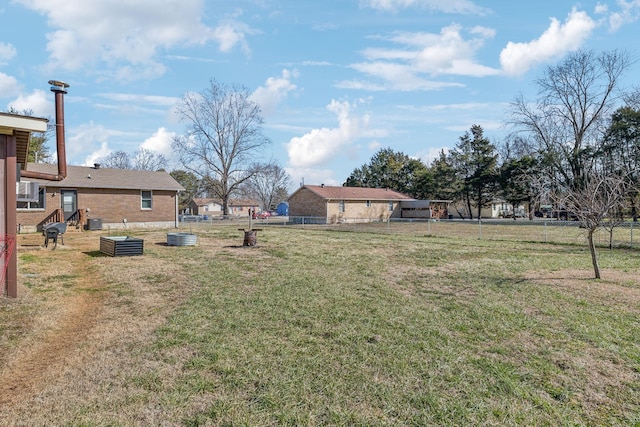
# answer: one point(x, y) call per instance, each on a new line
point(320, 145)
point(160, 142)
point(38, 101)
point(449, 6)
point(629, 13)
point(451, 52)
point(98, 155)
point(428, 156)
point(374, 145)
point(8, 85)
point(311, 176)
point(7, 52)
point(125, 37)
point(317, 63)
point(274, 91)
point(558, 39)
point(230, 34)
point(163, 101)
point(90, 142)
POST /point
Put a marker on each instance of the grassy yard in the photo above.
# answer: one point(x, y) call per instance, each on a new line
point(317, 327)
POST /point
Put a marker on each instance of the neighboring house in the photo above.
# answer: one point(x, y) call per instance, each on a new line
point(346, 204)
point(498, 208)
point(425, 209)
point(205, 206)
point(109, 197)
point(501, 209)
point(213, 207)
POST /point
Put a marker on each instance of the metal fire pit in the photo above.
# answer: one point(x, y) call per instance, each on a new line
point(181, 239)
point(250, 236)
point(121, 246)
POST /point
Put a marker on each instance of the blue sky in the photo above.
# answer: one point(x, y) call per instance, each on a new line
point(336, 79)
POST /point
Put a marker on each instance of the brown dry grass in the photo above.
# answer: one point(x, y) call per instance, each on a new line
point(618, 288)
point(82, 333)
point(78, 331)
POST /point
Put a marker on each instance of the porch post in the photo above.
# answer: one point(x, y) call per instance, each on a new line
point(10, 206)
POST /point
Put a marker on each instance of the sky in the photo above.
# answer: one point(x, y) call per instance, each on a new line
point(336, 80)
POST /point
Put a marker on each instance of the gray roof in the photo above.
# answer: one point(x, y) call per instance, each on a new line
point(91, 177)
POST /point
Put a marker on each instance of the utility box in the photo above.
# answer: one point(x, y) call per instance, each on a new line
point(94, 224)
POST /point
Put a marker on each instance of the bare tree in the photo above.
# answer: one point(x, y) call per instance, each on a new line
point(567, 122)
point(269, 184)
point(593, 203)
point(142, 159)
point(117, 160)
point(632, 99)
point(567, 125)
point(148, 160)
point(224, 134)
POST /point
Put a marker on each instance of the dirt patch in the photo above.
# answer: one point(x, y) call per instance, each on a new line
point(411, 281)
point(619, 288)
point(61, 322)
point(90, 315)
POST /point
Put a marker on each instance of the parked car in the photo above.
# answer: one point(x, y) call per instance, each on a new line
point(263, 215)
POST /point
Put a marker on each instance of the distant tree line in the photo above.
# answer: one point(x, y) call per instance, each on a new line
point(575, 148)
point(568, 138)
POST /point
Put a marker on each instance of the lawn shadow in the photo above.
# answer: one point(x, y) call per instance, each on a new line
point(95, 254)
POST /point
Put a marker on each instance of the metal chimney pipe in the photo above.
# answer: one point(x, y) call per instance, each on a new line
point(59, 88)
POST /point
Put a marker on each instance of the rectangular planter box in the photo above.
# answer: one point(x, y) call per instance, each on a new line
point(121, 246)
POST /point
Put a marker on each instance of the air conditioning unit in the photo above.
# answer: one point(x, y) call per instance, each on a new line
point(94, 224)
point(27, 191)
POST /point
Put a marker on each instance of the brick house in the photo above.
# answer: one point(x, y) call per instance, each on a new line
point(346, 204)
point(115, 197)
point(213, 207)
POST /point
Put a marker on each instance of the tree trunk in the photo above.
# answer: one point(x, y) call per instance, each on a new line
point(594, 255)
point(225, 205)
point(611, 238)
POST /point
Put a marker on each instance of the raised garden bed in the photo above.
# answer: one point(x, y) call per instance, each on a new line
point(121, 246)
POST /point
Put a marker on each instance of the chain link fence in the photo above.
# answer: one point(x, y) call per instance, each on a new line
point(626, 234)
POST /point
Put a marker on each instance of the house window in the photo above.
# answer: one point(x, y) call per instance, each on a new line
point(145, 199)
point(341, 206)
point(35, 205)
point(390, 206)
point(368, 203)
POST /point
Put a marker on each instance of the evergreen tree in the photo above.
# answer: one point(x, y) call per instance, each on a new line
point(620, 152)
point(191, 185)
point(475, 160)
point(389, 169)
